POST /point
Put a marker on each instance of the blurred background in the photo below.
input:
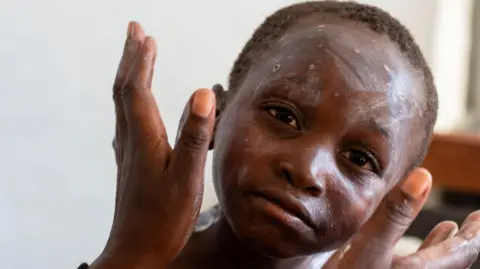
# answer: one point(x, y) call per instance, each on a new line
point(58, 59)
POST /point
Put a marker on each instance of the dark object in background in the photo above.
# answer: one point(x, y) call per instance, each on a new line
point(453, 198)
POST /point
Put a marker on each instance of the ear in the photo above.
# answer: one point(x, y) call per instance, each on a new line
point(221, 98)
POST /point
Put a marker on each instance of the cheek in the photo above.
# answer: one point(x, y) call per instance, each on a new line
point(358, 202)
point(239, 149)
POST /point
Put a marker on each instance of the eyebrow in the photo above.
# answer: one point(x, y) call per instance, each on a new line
point(381, 129)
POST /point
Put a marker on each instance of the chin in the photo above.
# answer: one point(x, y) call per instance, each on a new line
point(276, 242)
point(274, 251)
point(288, 250)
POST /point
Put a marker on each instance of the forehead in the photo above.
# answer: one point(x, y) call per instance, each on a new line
point(348, 56)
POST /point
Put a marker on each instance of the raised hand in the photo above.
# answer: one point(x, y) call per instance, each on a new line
point(447, 247)
point(159, 190)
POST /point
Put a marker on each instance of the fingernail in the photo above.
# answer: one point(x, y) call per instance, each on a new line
point(202, 103)
point(131, 29)
point(417, 183)
point(452, 232)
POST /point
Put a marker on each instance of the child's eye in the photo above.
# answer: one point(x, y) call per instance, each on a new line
point(284, 115)
point(361, 159)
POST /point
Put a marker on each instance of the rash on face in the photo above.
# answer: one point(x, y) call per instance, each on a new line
point(339, 85)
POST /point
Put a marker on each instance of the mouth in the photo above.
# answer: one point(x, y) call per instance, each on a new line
point(287, 204)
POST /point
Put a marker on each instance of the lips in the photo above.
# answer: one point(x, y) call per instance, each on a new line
point(288, 203)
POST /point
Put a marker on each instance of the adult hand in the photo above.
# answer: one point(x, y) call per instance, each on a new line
point(446, 247)
point(159, 189)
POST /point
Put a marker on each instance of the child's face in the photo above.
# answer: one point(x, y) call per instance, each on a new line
point(324, 124)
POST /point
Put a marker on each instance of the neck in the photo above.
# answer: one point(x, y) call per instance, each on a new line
point(228, 250)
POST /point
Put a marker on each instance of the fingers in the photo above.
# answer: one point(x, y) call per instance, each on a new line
point(141, 111)
point(460, 251)
point(190, 151)
point(441, 232)
point(372, 246)
point(134, 41)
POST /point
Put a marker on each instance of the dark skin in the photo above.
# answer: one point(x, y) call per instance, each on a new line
point(311, 151)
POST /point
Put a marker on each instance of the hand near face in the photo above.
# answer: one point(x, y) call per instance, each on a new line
point(159, 189)
point(446, 247)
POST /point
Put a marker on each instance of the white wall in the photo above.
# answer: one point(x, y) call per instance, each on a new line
point(57, 62)
point(451, 60)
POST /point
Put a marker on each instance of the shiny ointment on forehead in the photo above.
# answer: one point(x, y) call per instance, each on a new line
point(364, 60)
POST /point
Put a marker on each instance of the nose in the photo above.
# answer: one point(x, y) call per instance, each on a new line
point(305, 176)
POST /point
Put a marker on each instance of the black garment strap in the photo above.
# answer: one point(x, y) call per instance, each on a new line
point(83, 266)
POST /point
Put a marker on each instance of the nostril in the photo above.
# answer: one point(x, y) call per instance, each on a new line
point(287, 176)
point(301, 179)
point(314, 191)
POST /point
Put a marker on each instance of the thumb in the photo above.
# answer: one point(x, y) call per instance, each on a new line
point(372, 246)
point(189, 154)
